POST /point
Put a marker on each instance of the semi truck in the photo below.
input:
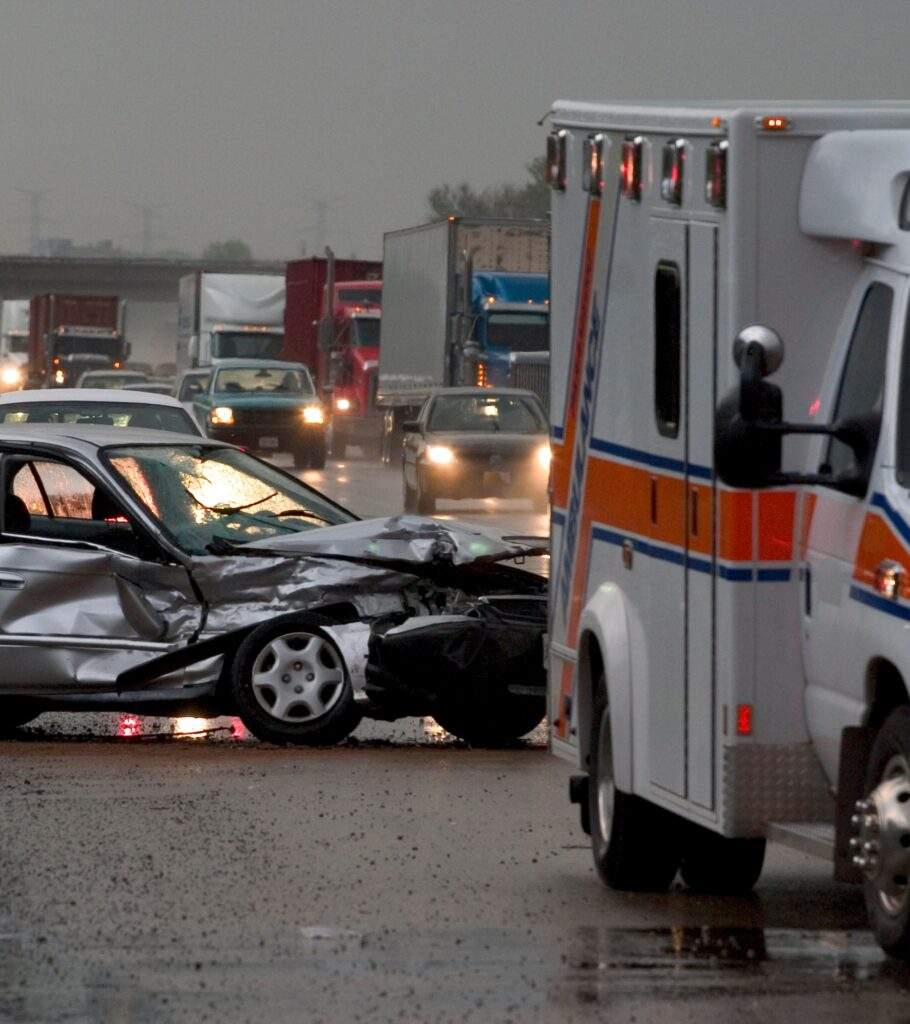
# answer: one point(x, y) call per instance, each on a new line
point(465, 302)
point(331, 324)
point(13, 344)
point(229, 316)
point(71, 334)
point(730, 482)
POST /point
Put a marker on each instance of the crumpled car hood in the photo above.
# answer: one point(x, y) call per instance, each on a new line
point(405, 538)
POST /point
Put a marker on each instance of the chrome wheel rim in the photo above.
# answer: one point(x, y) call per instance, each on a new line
point(298, 677)
point(881, 847)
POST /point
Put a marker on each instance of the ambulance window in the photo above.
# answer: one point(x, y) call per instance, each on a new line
point(863, 382)
point(667, 347)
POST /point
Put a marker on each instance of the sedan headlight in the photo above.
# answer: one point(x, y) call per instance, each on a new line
point(11, 375)
point(223, 415)
point(313, 414)
point(544, 455)
point(440, 454)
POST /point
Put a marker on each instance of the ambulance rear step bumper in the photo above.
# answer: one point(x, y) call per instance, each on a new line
point(808, 837)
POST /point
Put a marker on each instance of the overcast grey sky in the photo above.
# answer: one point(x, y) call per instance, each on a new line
point(232, 114)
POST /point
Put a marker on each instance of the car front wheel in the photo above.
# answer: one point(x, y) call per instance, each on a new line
point(290, 684)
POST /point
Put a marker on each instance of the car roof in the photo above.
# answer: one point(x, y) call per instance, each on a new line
point(255, 364)
point(65, 395)
point(87, 438)
point(115, 373)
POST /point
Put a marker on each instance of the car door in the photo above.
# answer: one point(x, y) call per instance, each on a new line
point(84, 594)
point(836, 645)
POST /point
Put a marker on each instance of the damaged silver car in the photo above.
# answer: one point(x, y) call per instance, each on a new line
point(163, 574)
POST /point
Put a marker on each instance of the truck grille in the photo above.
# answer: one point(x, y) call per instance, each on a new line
point(267, 417)
point(532, 376)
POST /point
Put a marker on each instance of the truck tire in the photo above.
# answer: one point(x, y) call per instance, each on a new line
point(289, 683)
point(882, 840)
point(720, 866)
point(502, 719)
point(635, 843)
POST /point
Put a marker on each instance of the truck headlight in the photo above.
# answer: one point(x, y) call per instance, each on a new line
point(544, 455)
point(59, 376)
point(222, 415)
point(313, 414)
point(440, 454)
point(11, 375)
point(343, 404)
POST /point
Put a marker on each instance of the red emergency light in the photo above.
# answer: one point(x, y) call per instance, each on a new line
point(716, 174)
point(593, 167)
point(632, 152)
point(673, 166)
point(556, 159)
point(743, 719)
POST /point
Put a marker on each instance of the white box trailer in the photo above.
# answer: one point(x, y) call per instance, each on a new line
point(13, 343)
point(228, 316)
point(728, 625)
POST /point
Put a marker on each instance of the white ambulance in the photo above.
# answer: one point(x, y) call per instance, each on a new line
point(729, 644)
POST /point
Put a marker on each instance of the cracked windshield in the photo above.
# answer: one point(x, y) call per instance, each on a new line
point(208, 499)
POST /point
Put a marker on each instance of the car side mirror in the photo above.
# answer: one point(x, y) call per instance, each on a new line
point(410, 427)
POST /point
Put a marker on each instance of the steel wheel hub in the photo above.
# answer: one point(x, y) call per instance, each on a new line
point(881, 847)
point(298, 677)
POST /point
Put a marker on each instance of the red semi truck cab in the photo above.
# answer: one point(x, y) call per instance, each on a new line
point(354, 365)
point(338, 341)
point(71, 334)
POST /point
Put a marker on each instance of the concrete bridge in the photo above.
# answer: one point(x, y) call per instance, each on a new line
point(149, 286)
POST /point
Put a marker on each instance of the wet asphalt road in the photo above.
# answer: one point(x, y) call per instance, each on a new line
point(400, 877)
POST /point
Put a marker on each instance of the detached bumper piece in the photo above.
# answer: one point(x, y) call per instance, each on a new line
point(480, 675)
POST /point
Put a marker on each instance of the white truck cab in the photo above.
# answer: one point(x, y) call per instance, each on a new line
point(730, 404)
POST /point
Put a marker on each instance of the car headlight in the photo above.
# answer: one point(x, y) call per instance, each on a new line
point(59, 376)
point(343, 404)
point(440, 454)
point(222, 415)
point(313, 414)
point(544, 455)
point(11, 375)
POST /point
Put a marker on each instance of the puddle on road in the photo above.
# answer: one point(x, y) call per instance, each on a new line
point(132, 729)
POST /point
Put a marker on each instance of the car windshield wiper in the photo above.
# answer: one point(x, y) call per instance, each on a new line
point(300, 513)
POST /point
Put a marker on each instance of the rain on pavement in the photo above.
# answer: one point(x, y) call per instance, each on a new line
point(157, 870)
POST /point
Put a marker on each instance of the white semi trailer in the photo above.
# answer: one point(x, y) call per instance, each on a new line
point(229, 316)
point(13, 344)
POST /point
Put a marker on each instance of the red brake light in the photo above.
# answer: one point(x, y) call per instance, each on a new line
point(743, 719)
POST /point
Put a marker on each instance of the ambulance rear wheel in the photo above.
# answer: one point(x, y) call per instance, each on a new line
point(635, 843)
point(881, 840)
point(720, 866)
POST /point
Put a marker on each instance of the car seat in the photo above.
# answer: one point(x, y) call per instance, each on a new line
point(16, 516)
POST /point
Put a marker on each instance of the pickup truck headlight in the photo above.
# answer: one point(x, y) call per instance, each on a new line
point(440, 454)
point(223, 415)
point(313, 414)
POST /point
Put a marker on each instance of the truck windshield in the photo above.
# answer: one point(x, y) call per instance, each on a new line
point(18, 343)
point(201, 496)
point(255, 380)
point(76, 345)
point(365, 332)
point(360, 296)
point(519, 332)
point(484, 414)
point(246, 345)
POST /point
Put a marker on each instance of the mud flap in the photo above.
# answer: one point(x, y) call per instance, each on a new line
point(855, 748)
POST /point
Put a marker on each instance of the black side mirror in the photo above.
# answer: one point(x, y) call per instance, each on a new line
point(749, 426)
point(410, 427)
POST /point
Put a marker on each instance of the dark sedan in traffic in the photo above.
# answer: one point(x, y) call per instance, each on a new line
point(476, 442)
